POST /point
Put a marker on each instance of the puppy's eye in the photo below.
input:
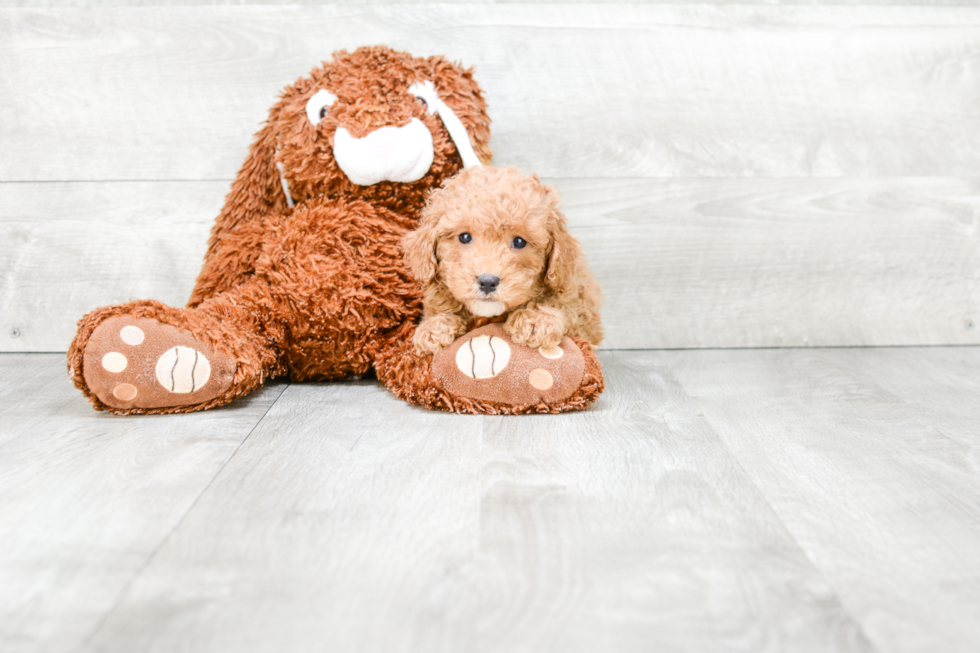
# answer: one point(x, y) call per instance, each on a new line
point(465, 238)
point(318, 106)
point(425, 105)
point(518, 243)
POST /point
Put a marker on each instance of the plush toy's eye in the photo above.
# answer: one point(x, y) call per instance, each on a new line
point(318, 106)
point(518, 243)
point(424, 94)
point(465, 238)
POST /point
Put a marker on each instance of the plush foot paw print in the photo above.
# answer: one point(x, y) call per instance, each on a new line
point(485, 365)
point(141, 363)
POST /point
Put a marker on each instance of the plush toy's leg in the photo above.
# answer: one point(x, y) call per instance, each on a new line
point(146, 357)
point(483, 372)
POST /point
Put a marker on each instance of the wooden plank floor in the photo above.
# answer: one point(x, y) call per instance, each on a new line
point(713, 500)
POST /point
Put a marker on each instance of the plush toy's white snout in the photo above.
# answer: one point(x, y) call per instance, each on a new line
point(402, 154)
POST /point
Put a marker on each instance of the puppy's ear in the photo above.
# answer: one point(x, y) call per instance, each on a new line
point(565, 250)
point(564, 256)
point(419, 250)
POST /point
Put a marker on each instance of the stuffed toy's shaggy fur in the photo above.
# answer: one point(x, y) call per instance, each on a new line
point(304, 275)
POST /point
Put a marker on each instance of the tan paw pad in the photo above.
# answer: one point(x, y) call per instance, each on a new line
point(125, 392)
point(541, 379)
point(114, 362)
point(132, 335)
point(554, 353)
point(483, 357)
point(183, 370)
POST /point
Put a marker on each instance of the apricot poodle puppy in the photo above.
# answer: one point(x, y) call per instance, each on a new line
point(492, 242)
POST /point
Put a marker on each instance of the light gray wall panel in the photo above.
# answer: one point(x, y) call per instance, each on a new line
point(575, 91)
point(783, 263)
point(67, 248)
point(740, 175)
point(683, 263)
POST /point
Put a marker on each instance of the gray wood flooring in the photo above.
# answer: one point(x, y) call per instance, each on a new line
point(712, 500)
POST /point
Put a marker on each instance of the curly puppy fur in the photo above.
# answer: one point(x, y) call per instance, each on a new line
point(493, 242)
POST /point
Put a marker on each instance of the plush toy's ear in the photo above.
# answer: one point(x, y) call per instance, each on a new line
point(565, 250)
point(419, 248)
point(256, 192)
point(462, 94)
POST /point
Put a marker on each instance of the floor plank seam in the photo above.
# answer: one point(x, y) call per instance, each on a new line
point(166, 538)
point(858, 625)
point(801, 347)
point(656, 349)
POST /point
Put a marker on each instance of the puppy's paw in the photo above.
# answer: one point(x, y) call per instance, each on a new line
point(541, 326)
point(436, 333)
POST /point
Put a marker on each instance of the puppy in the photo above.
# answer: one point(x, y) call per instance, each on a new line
point(492, 242)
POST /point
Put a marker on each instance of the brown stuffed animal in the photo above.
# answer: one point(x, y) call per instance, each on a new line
point(304, 275)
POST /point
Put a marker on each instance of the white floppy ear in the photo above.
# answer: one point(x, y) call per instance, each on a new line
point(457, 131)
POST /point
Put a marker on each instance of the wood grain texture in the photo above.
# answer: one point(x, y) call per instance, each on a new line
point(67, 248)
point(756, 263)
point(86, 498)
point(683, 263)
point(360, 524)
point(886, 504)
point(755, 500)
point(943, 384)
point(632, 528)
point(349, 524)
point(168, 93)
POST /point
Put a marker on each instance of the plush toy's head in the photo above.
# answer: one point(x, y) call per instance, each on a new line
point(377, 123)
point(373, 124)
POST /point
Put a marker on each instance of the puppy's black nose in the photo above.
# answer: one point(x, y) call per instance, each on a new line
point(487, 283)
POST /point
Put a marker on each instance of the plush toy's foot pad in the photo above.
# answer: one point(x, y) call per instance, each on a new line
point(142, 363)
point(485, 365)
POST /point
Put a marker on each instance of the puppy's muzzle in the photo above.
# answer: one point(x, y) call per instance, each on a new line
point(487, 283)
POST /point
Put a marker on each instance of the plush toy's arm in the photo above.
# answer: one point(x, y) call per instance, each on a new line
point(238, 232)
